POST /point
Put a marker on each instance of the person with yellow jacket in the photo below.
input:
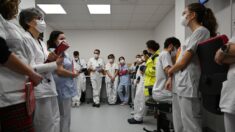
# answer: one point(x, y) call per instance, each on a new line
point(144, 91)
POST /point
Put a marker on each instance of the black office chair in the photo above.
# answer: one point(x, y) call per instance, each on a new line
point(162, 108)
point(212, 74)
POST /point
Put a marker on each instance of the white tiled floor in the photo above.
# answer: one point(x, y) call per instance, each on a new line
point(106, 119)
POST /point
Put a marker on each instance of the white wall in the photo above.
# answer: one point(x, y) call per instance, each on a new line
point(165, 29)
point(47, 33)
point(125, 43)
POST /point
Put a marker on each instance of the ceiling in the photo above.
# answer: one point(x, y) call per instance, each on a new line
point(125, 14)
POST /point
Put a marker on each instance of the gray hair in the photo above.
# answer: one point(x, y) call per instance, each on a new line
point(27, 15)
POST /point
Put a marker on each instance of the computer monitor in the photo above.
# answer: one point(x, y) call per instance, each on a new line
point(203, 1)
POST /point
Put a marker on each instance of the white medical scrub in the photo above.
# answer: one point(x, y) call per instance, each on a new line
point(81, 80)
point(139, 101)
point(46, 116)
point(66, 90)
point(96, 77)
point(12, 83)
point(186, 103)
point(111, 87)
point(227, 99)
point(159, 91)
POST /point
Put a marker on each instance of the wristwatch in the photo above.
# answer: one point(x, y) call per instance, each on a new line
point(225, 48)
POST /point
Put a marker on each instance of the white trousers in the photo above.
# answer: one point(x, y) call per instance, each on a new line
point(111, 90)
point(47, 116)
point(139, 102)
point(229, 120)
point(96, 81)
point(186, 114)
point(65, 114)
point(81, 87)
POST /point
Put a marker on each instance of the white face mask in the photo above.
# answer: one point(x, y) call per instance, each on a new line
point(96, 56)
point(122, 61)
point(111, 60)
point(138, 59)
point(184, 21)
point(41, 26)
point(173, 53)
point(143, 58)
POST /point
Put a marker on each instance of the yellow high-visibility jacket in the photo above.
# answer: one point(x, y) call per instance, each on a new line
point(150, 72)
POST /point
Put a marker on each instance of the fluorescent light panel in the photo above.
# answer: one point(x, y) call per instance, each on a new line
point(52, 8)
point(99, 9)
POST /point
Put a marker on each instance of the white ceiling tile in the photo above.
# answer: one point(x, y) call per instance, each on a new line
point(124, 2)
point(122, 17)
point(149, 2)
point(126, 14)
point(141, 17)
point(145, 9)
point(122, 9)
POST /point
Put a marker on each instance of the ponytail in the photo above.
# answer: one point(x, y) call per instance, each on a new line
point(205, 16)
point(210, 22)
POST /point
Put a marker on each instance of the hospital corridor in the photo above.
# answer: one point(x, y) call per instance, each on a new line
point(117, 65)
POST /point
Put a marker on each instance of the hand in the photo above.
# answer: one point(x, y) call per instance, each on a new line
point(168, 84)
point(112, 79)
point(75, 74)
point(219, 56)
point(35, 78)
point(170, 72)
point(59, 60)
point(52, 56)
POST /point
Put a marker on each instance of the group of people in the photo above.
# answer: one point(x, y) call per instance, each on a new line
point(38, 86)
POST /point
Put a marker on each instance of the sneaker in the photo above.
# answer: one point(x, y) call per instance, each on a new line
point(133, 121)
point(132, 112)
point(124, 103)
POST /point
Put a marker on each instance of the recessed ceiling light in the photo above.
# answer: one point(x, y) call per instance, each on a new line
point(52, 8)
point(99, 9)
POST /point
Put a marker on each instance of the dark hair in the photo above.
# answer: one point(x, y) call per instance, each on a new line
point(151, 44)
point(75, 53)
point(97, 50)
point(137, 56)
point(121, 58)
point(9, 8)
point(145, 52)
point(172, 40)
point(111, 56)
point(205, 16)
point(53, 37)
point(27, 15)
point(41, 36)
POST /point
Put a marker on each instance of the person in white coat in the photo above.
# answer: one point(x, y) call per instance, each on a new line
point(13, 108)
point(111, 79)
point(46, 116)
point(163, 65)
point(186, 100)
point(226, 55)
point(81, 67)
point(96, 67)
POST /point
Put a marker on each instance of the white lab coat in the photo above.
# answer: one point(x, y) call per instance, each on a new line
point(12, 83)
point(111, 87)
point(96, 77)
point(46, 116)
point(185, 87)
point(81, 80)
point(227, 99)
point(139, 101)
